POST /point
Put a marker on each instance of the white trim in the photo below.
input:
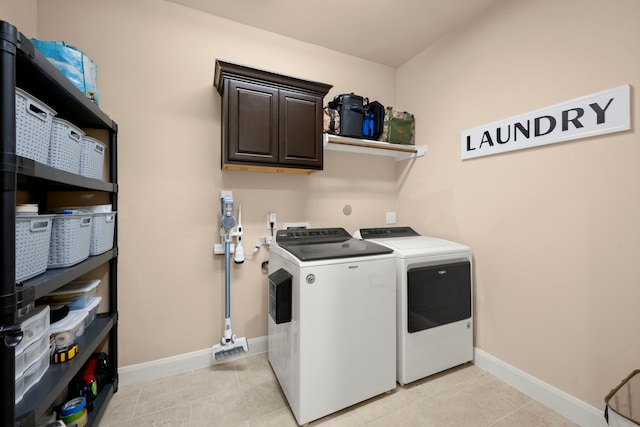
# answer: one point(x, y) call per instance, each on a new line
point(186, 362)
point(574, 409)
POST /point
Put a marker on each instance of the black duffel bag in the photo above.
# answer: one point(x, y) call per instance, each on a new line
point(350, 108)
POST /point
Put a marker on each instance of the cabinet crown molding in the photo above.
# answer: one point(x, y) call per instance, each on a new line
point(225, 69)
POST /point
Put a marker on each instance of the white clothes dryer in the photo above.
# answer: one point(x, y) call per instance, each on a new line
point(434, 301)
point(331, 319)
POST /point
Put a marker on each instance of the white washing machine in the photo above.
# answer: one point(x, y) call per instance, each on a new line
point(332, 317)
point(434, 297)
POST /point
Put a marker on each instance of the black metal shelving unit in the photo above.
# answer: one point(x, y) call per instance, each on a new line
point(21, 65)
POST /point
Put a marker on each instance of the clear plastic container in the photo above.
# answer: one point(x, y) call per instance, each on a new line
point(31, 353)
point(33, 326)
point(92, 310)
point(66, 331)
point(32, 375)
point(75, 295)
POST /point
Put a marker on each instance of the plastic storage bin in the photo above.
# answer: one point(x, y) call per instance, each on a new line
point(32, 375)
point(92, 159)
point(103, 223)
point(92, 310)
point(65, 146)
point(70, 240)
point(623, 402)
point(102, 230)
point(66, 331)
point(33, 326)
point(33, 236)
point(33, 127)
point(76, 295)
point(32, 353)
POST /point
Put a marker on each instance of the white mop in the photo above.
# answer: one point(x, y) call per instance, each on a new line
point(230, 345)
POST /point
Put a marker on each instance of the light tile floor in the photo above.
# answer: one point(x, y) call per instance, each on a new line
point(245, 393)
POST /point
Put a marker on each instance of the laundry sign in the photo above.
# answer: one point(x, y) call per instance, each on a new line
point(596, 114)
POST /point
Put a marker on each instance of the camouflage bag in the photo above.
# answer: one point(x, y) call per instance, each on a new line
point(399, 127)
point(331, 121)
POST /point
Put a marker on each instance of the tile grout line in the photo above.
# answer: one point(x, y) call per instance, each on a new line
point(242, 369)
point(135, 407)
point(511, 413)
point(474, 379)
point(440, 390)
point(517, 408)
point(138, 416)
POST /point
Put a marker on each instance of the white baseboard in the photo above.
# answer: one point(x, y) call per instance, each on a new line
point(572, 408)
point(186, 362)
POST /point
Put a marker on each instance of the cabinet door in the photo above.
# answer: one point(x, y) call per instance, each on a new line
point(252, 123)
point(300, 124)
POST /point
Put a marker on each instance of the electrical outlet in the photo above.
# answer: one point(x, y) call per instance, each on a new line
point(271, 221)
point(391, 217)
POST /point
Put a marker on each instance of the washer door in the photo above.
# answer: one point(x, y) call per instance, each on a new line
point(438, 295)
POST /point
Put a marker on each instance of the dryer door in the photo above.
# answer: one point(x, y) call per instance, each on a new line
point(438, 295)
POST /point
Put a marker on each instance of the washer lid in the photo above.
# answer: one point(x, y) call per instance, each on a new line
point(326, 243)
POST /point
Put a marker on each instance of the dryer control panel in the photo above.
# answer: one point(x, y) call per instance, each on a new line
point(386, 232)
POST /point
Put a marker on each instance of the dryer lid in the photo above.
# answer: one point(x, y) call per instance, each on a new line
point(406, 242)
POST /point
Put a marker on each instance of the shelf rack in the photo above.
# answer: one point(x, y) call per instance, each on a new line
point(21, 65)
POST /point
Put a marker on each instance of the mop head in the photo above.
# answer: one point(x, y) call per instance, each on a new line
point(235, 348)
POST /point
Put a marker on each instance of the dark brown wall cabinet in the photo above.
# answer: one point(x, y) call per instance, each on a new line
point(270, 122)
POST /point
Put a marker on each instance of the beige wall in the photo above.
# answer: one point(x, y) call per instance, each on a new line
point(156, 65)
point(555, 230)
point(21, 13)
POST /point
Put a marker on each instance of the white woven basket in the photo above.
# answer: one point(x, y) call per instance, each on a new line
point(102, 230)
point(34, 119)
point(92, 160)
point(65, 146)
point(70, 240)
point(33, 234)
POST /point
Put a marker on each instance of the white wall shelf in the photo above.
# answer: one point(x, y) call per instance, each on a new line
point(377, 148)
